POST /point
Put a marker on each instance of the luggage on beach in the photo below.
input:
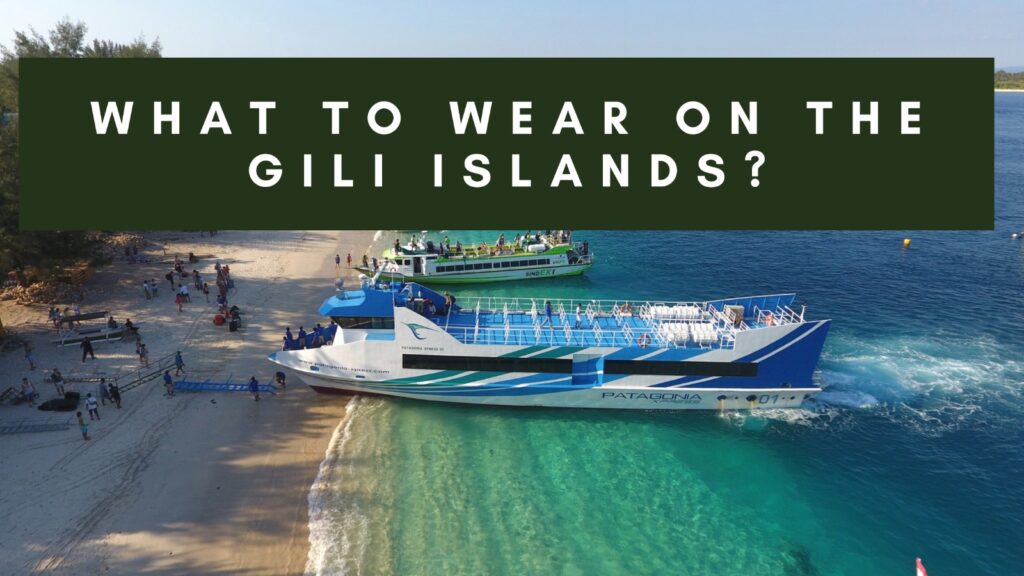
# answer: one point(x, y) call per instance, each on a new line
point(233, 326)
point(218, 320)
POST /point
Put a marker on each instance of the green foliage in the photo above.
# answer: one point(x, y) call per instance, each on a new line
point(1010, 80)
point(66, 40)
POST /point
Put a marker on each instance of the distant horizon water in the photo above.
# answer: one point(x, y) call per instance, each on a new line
point(913, 449)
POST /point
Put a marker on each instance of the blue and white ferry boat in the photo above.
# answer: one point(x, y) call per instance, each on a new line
point(404, 339)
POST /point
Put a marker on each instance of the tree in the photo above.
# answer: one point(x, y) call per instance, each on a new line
point(66, 40)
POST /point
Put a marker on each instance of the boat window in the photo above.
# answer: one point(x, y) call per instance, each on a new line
point(506, 264)
point(478, 266)
point(532, 263)
point(487, 265)
point(485, 364)
point(564, 366)
point(364, 322)
point(459, 267)
point(515, 263)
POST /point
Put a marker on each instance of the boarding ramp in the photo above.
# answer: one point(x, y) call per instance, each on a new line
point(226, 386)
point(130, 379)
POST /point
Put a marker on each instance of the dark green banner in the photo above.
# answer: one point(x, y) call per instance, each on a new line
point(547, 143)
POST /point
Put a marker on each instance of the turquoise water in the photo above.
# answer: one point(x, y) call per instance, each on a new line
point(915, 448)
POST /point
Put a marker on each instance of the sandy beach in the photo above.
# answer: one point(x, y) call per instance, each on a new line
point(201, 483)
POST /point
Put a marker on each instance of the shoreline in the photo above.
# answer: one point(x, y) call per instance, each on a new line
point(1010, 90)
point(208, 483)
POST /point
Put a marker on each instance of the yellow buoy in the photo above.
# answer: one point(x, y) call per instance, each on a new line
point(906, 242)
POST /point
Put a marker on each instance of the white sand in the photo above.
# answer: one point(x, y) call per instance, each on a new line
point(176, 485)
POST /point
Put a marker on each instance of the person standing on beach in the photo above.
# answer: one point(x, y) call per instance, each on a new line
point(206, 292)
point(179, 364)
point(83, 426)
point(168, 384)
point(28, 356)
point(115, 394)
point(102, 391)
point(58, 381)
point(154, 287)
point(254, 387)
point(143, 355)
point(348, 259)
point(280, 378)
point(149, 291)
point(28, 390)
point(92, 407)
point(337, 261)
point(178, 299)
point(170, 278)
point(86, 346)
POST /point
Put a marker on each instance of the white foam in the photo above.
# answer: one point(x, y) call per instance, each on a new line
point(846, 398)
point(325, 547)
point(378, 235)
point(931, 385)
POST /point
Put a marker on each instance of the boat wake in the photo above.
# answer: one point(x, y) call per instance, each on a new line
point(929, 385)
point(337, 531)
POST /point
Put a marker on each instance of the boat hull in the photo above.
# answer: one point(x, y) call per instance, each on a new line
point(486, 276)
point(602, 397)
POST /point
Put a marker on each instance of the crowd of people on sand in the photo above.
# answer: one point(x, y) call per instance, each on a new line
point(109, 392)
point(180, 279)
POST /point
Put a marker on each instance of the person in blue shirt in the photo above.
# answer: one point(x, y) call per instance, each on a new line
point(179, 364)
point(168, 384)
point(302, 337)
point(547, 312)
point(254, 387)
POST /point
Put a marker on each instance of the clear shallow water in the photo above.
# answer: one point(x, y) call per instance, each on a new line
point(916, 447)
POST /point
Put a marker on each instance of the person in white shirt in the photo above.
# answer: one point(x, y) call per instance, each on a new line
point(183, 289)
point(92, 406)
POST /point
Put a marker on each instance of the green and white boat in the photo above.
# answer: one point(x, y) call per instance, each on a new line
point(548, 256)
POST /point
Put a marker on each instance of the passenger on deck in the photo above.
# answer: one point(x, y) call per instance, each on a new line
point(366, 262)
point(579, 315)
point(398, 246)
point(111, 323)
point(458, 246)
point(547, 313)
point(302, 337)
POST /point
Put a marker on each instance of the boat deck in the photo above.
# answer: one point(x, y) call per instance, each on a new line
point(621, 324)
